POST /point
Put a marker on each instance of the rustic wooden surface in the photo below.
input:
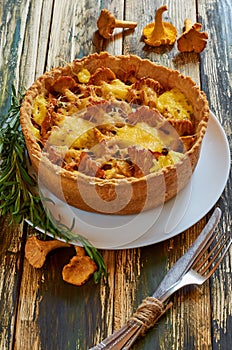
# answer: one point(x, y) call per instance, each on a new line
point(38, 311)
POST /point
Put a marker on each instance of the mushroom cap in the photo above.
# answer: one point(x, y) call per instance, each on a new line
point(156, 36)
point(192, 40)
point(64, 82)
point(78, 270)
point(106, 23)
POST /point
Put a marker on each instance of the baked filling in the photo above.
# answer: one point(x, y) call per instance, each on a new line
point(107, 128)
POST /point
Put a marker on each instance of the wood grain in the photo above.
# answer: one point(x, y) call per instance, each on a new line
point(11, 239)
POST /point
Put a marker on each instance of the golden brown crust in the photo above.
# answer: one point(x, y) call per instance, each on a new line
point(143, 193)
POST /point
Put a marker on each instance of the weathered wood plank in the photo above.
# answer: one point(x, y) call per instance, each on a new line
point(216, 74)
point(12, 19)
point(11, 239)
point(13, 23)
point(74, 31)
point(35, 40)
point(27, 334)
point(29, 37)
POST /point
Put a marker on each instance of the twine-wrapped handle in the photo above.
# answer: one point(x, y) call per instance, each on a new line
point(148, 313)
point(145, 317)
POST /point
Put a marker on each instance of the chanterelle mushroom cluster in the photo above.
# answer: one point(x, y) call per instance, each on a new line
point(158, 32)
point(80, 268)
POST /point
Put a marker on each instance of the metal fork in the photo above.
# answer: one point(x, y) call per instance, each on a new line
point(202, 267)
point(205, 264)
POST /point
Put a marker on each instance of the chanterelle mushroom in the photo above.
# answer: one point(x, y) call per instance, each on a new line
point(79, 269)
point(36, 250)
point(107, 22)
point(159, 32)
point(192, 40)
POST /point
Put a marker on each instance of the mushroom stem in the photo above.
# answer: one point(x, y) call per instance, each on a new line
point(159, 19)
point(187, 24)
point(125, 24)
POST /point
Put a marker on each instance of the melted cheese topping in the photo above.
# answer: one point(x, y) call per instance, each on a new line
point(35, 132)
point(71, 132)
point(171, 158)
point(174, 102)
point(84, 75)
point(142, 135)
point(39, 110)
point(116, 89)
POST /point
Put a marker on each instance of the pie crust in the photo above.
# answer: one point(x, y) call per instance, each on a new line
point(128, 195)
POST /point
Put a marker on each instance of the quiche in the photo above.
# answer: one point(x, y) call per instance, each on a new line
point(114, 134)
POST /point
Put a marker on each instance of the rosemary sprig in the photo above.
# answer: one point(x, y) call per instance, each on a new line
point(17, 197)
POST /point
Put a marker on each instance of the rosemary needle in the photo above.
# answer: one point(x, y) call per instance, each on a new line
point(17, 197)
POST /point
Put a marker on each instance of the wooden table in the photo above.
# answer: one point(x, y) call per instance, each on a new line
point(38, 309)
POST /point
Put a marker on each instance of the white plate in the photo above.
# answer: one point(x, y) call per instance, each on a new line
point(175, 216)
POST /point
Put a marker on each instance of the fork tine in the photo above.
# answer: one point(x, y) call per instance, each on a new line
point(210, 254)
point(214, 255)
point(215, 266)
point(204, 250)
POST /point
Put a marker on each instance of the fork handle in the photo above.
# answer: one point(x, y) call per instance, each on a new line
point(146, 315)
point(120, 338)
